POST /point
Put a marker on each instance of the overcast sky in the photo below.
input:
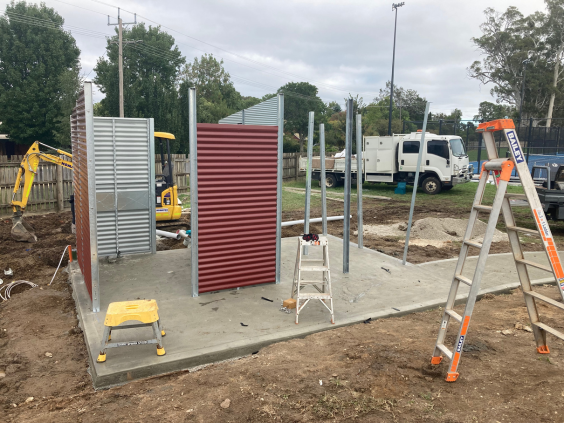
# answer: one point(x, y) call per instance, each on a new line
point(340, 46)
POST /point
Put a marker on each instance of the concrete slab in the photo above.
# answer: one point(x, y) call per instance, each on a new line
point(209, 328)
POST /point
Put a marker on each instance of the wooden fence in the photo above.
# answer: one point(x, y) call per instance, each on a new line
point(45, 195)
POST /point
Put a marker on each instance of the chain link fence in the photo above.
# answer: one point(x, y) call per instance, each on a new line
point(541, 144)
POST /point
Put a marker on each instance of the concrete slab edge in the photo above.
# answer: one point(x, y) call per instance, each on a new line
point(242, 348)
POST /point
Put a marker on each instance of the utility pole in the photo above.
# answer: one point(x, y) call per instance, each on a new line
point(120, 55)
point(395, 7)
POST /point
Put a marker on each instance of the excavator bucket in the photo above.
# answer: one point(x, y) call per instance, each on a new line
point(21, 230)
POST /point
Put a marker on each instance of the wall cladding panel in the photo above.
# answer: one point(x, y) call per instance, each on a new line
point(237, 183)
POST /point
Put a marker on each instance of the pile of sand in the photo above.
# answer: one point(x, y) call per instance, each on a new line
point(433, 231)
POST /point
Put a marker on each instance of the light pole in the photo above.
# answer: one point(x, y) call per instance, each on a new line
point(525, 63)
point(395, 7)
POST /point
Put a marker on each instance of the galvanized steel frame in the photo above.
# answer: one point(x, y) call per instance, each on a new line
point(348, 165)
point(322, 180)
point(359, 173)
point(308, 176)
point(152, 189)
point(92, 209)
point(193, 140)
point(279, 179)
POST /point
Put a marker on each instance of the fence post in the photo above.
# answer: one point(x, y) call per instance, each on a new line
point(297, 159)
point(60, 196)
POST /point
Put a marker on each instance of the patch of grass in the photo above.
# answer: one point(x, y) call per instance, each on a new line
point(331, 406)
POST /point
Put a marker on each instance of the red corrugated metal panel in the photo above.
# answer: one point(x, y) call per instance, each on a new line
point(237, 167)
point(80, 182)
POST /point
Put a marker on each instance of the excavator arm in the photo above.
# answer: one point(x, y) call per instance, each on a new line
point(21, 231)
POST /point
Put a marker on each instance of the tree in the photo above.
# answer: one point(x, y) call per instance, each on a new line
point(150, 75)
point(300, 98)
point(491, 111)
point(39, 75)
point(406, 100)
point(555, 39)
point(508, 40)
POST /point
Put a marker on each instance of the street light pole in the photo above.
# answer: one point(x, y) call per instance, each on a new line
point(525, 63)
point(395, 7)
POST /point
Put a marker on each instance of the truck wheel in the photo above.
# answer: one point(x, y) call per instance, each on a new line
point(330, 181)
point(431, 185)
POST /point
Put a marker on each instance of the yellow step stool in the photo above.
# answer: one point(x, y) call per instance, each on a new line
point(144, 311)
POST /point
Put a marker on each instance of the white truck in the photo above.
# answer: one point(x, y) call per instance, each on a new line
point(393, 159)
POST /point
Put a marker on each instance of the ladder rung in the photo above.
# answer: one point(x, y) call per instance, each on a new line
point(463, 279)
point(545, 299)
point(516, 196)
point(547, 328)
point(312, 260)
point(454, 315)
point(314, 268)
point(314, 295)
point(483, 208)
point(523, 230)
point(445, 351)
point(473, 244)
point(312, 282)
point(532, 263)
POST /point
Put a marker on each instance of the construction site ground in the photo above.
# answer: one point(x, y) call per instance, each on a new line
point(366, 372)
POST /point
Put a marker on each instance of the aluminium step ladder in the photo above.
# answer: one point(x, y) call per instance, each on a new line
point(502, 169)
point(322, 287)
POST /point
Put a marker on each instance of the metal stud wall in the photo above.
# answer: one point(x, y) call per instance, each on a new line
point(237, 205)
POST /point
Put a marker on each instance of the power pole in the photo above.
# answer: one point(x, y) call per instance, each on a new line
point(120, 54)
point(395, 7)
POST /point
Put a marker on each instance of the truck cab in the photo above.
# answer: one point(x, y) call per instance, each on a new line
point(393, 159)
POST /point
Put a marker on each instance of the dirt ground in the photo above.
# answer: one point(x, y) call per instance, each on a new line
point(379, 212)
point(367, 372)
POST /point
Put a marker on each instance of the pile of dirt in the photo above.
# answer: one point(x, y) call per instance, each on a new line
point(433, 231)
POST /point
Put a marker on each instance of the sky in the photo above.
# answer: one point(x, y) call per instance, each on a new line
point(340, 46)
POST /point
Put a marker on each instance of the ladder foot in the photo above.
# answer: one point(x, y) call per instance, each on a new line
point(163, 333)
point(101, 358)
point(160, 351)
point(543, 350)
point(451, 377)
point(436, 360)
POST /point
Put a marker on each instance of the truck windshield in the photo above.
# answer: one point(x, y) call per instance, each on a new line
point(457, 147)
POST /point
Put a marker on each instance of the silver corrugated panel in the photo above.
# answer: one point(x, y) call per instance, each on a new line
point(265, 113)
point(124, 186)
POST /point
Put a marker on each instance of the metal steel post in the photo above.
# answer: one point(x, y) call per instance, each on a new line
point(322, 179)
point(279, 176)
point(415, 183)
point(359, 174)
point(348, 163)
point(120, 65)
point(479, 158)
point(440, 126)
point(308, 176)
point(92, 204)
point(193, 140)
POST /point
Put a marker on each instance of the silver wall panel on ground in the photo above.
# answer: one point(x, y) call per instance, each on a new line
point(125, 189)
point(265, 113)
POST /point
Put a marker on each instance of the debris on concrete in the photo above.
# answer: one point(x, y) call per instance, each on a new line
point(242, 324)
point(266, 299)
point(226, 403)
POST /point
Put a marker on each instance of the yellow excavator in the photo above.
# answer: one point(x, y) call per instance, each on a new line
point(166, 190)
point(22, 231)
point(167, 205)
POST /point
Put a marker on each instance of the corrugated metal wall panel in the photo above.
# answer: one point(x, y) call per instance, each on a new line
point(80, 182)
point(237, 171)
point(124, 186)
point(265, 113)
